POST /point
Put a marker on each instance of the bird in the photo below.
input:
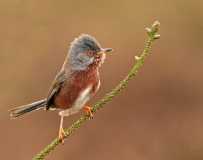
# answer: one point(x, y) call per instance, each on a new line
point(75, 84)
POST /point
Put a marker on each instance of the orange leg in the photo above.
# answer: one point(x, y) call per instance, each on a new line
point(88, 111)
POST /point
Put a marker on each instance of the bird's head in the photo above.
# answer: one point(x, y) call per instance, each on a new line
point(86, 51)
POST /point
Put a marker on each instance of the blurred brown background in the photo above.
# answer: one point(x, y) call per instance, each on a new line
point(158, 117)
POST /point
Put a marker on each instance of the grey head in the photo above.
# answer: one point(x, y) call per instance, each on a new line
point(84, 51)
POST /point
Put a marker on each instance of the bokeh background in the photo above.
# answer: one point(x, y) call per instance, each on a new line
point(160, 114)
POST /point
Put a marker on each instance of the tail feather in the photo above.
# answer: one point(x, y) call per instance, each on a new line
point(19, 111)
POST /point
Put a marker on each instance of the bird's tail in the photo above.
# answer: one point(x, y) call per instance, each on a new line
point(19, 111)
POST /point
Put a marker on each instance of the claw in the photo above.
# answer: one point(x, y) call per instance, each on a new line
point(88, 111)
point(61, 135)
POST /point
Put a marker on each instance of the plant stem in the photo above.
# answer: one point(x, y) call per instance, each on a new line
point(152, 35)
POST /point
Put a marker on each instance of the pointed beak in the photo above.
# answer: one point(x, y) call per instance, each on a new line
point(106, 50)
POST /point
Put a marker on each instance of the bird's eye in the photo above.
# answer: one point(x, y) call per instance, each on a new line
point(90, 53)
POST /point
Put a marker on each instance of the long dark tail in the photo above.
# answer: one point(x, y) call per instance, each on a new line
point(19, 111)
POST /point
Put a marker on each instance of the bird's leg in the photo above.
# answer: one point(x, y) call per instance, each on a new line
point(61, 130)
point(88, 111)
point(63, 114)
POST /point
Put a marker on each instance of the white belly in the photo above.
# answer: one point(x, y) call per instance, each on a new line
point(82, 99)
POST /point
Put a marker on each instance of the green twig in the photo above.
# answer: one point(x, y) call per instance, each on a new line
point(152, 35)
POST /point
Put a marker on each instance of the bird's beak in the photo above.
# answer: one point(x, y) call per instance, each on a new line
point(105, 50)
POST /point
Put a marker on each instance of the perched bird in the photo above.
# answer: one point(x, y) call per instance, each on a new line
point(77, 81)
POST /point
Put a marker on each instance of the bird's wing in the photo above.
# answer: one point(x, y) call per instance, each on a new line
point(55, 87)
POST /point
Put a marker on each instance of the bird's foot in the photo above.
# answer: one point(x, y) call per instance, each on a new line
point(88, 111)
point(61, 135)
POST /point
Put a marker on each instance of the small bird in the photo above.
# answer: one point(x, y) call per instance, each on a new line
point(76, 82)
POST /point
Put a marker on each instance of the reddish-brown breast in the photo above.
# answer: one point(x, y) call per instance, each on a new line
point(71, 89)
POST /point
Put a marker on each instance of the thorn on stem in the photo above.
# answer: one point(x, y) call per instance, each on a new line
point(157, 36)
point(148, 30)
point(156, 24)
point(137, 58)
